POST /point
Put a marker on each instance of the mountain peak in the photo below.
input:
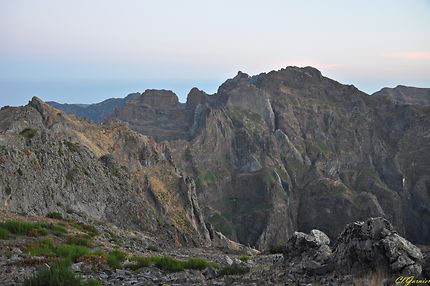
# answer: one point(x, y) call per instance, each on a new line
point(159, 98)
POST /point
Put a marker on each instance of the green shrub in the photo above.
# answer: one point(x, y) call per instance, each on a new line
point(79, 240)
point(73, 147)
point(244, 258)
point(196, 263)
point(4, 233)
point(55, 229)
point(169, 264)
point(55, 215)
point(153, 248)
point(89, 229)
point(141, 261)
point(66, 251)
point(8, 253)
point(70, 252)
point(234, 270)
point(116, 258)
point(276, 249)
point(24, 228)
point(28, 133)
point(44, 247)
point(33, 229)
point(58, 274)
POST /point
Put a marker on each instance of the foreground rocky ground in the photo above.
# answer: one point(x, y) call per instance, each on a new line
point(367, 253)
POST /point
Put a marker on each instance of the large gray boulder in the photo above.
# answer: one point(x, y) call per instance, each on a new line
point(308, 253)
point(373, 244)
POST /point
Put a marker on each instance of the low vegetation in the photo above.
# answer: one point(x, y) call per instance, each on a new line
point(276, 249)
point(73, 147)
point(115, 258)
point(47, 247)
point(234, 269)
point(55, 215)
point(30, 229)
point(58, 274)
point(28, 133)
point(4, 234)
point(245, 258)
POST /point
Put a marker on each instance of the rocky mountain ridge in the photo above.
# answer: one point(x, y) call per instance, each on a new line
point(53, 162)
point(293, 150)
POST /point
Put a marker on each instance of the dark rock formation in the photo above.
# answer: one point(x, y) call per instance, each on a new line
point(363, 247)
point(372, 244)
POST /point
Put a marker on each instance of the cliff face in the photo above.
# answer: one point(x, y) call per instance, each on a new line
point(292, 149)
point(50, 161)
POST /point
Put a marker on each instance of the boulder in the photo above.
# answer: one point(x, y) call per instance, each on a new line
point(373, 244)
point(308, 253)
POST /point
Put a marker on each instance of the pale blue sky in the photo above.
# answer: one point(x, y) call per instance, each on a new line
point(89, 50)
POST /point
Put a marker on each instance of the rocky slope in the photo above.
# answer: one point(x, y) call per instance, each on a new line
point(50, 161)
point(293, 150)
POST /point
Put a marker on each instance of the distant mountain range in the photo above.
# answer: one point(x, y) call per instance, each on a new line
point(95, 112)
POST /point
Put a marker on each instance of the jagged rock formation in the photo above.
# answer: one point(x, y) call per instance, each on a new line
point(50, 161)
point(97, 112)
point(293, 150)
point(363, 247)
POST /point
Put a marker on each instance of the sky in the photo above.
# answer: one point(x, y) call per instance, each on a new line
point(85, 51)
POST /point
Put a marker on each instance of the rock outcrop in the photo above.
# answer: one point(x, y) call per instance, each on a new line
point(363, 247)
point(308, 253)
point(372, 244)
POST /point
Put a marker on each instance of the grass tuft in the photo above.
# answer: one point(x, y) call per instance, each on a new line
point(28, 133)
point(116, 258)
point(55, 215)
point(58, 274)
point(4, 233)
point(234, 269)
point(47, 247)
